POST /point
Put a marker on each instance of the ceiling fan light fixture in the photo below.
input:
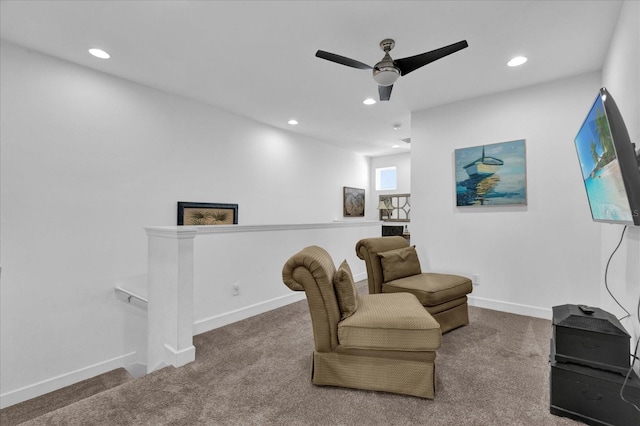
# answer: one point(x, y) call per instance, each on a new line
point(387, 71)
point(386, 75)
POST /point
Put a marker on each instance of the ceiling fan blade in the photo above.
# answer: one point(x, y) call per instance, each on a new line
point(342, 60)
point(385, 92)
point(412, 63)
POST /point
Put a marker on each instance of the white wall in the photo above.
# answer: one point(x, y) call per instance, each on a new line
point(549, 252)
point(260, 256)
point(87, 161)
point(531, 257)
point(620, 77)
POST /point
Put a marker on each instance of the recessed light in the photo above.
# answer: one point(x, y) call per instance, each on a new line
point(99, 53)
point(397, 126)
point(292, 122)
point(517, 61)
point(369, 101)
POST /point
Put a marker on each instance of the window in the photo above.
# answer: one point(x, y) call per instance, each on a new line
point(386, 179)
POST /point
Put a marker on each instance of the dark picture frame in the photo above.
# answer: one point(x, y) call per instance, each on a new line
point(198, 214)
point(353, 202)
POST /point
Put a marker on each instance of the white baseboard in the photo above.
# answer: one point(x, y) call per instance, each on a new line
point(217, 321)
point(59, 382)
point(359, 277)
point(177, 357)
point(513, 308)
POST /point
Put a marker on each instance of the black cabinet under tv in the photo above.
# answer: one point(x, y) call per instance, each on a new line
point(589, 357)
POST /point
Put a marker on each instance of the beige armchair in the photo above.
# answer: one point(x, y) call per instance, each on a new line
point(393, 266)
point(380, 342)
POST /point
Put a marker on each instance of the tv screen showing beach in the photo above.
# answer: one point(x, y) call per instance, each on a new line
point(600, 168)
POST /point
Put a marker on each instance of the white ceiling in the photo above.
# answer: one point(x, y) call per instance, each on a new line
point(257, 58)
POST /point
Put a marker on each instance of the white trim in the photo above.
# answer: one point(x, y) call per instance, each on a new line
point(67, 379)
point(513, 308)
point(226, 318)
point(359, 277)
point(172, 231)
point(192, 231)
point(181, 357)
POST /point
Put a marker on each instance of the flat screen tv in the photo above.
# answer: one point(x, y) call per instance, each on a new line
point(609, 163)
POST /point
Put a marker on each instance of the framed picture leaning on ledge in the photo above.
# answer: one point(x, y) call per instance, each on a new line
point(353, 202)
point(207, 213)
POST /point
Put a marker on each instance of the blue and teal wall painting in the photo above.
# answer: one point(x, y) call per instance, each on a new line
point(491, 175)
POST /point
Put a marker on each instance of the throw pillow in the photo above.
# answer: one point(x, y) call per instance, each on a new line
point(346, 291)
point(400, 263)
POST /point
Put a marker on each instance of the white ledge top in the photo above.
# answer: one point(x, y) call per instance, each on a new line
point(192, 231)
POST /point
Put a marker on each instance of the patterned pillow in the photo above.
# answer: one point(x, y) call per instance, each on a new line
point(400, 263)
point(346, 291)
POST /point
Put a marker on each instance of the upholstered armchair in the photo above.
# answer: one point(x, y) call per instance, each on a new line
point(393, 266)
point(380, 342)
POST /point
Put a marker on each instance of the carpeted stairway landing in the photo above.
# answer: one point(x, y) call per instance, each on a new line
point(52, 401)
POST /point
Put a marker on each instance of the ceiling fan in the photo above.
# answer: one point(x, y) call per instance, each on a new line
point(388, 70)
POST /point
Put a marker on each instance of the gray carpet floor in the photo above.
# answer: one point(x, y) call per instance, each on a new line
point(494, 371)
point(36, 407)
